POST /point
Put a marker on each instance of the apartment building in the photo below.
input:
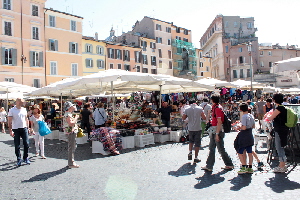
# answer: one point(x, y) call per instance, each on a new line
point(203, 65)
point(93, 55)
point(63, 39)
point(227, 41)
point(22, 42)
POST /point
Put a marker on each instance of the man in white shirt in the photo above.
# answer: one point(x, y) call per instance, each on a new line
point(207, 110)
point(18, 128)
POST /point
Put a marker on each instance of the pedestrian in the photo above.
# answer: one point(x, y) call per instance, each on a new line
point(268, 106)
point(38, 139)
point(85, 115)
point(165, 111)
point(279, 118)
point(260, 111)
point(18, 128)
point(217, 137)
point(3, 119)
point(71, 130)
point(100, 116)
point(245, 139)
point(207, 111)
point(195, 114)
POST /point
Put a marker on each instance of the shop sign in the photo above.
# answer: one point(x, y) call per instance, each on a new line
point(287, 80)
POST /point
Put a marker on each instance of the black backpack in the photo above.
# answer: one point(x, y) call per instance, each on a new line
point(226, 123)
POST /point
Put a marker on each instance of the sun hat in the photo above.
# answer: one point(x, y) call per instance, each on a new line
point(68, 105)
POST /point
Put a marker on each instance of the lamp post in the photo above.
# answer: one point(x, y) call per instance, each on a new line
point(249, 44)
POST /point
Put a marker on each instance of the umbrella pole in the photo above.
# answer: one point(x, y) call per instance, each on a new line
point(160, 96)
point(61, 105)
point(7, 100)
point(113, 101)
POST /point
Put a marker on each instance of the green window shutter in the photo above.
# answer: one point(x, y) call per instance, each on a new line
point(2, 55)
point(31, 58)
point(116, 53)
point(98, 63)
point(76, 48)
point(124, 55)
point(120, 54)
point(41, 59)
point(56, 45)
point(70, 47)
point(91, 48)
point(14, 57)
point(92, 63)
point(135, 56)
point(86, 62)
point(128, 55)
point(49, 41)
point(108, 55)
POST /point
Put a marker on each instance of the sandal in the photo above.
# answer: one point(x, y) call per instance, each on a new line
point(43, 157)
point(228, 167)
point(74, 166)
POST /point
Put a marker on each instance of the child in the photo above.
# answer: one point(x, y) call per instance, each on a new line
point(245, 139)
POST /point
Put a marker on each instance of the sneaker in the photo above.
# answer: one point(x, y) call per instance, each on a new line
point(243, 170)
point(19, 163)
point(280, 170)
point(249, 170)
point(190, 156)
point(27, 161)
point(228, 167)
point(260, 165)
point(196, 160)
point(206, 169)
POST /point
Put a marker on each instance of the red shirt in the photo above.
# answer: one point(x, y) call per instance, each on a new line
point(217, 112)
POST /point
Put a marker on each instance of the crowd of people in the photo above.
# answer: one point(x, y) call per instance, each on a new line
point(210, 112)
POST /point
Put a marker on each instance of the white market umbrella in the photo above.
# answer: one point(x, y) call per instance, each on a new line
point(215, 82)
point(286, 65)
point(291, 90)
point(246, 84)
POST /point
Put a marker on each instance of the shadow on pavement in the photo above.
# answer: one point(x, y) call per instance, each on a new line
point(281, 182)
point(186, 169)
point(8, 166)
point(209, 179)
point(45, 176)
point(240, 181)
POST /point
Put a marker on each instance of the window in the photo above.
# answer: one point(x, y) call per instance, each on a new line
point(200, 54)
point(100, 64)
point(73, 47)
point(158, 40)
point(241, 73)
point(34, 59)
point(248, 73)
point(202, 74)
point(261, 53)
point(52, 21)
point(138, 69)
point(170, 54)
point(35, 10)
point(185, 39)
point(234, 74)
point(127, 67)
point(226, 24)
point(126, 55)
point(88, 62)
point(99, 50)
point(153, 60)
point(207, 68)
point(145, 60)
point(111, 66)
point(270, 53)
point(169, 41)
point(73, 25)
point(119, 66)
point(37, 83)
point(9, 79)
point(201, 64)
point(186, 32)
point(235, 24)
point(226, 49)
point(144, 45)
point(170, 65)
point(7, 4)
point(177, 30)
point(241, 59)
point(53, 68)
point(158, 27)
point(160, 63)
point(110, 53)
point(159, 53)
point(270, 64)
point(145, 70)
point(137, 56)
point(152, 45)
point(53, 45)
point(88, 48)
point(249, 25)
point(178, 38)
point(7, 28)
point(241, 49)
point(179, 50)
point(9, 56)
point(153, 71)
point(35, 33)
point(168, 29)
point(262, 64)
point(74, 69)
point(119, 54)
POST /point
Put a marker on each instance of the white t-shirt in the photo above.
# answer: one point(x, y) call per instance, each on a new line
point(18, 117)
point(194, 114)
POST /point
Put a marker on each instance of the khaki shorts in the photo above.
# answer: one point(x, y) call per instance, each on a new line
point(260, 116)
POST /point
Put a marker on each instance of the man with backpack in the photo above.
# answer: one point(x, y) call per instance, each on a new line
point(217, 137)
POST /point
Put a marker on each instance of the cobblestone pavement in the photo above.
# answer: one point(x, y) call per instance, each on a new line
point(159, 171)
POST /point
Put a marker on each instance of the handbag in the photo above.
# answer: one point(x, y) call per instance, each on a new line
point(43, 128)
point(80, 133)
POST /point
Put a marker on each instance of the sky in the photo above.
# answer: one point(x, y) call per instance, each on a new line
point(276, 20)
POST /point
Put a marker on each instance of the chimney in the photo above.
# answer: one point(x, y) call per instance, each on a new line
point(96, 36)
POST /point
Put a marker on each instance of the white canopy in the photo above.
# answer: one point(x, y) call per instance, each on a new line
point(246, 84)
point(291, 90)
point(215, 82)
point(286, 65)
